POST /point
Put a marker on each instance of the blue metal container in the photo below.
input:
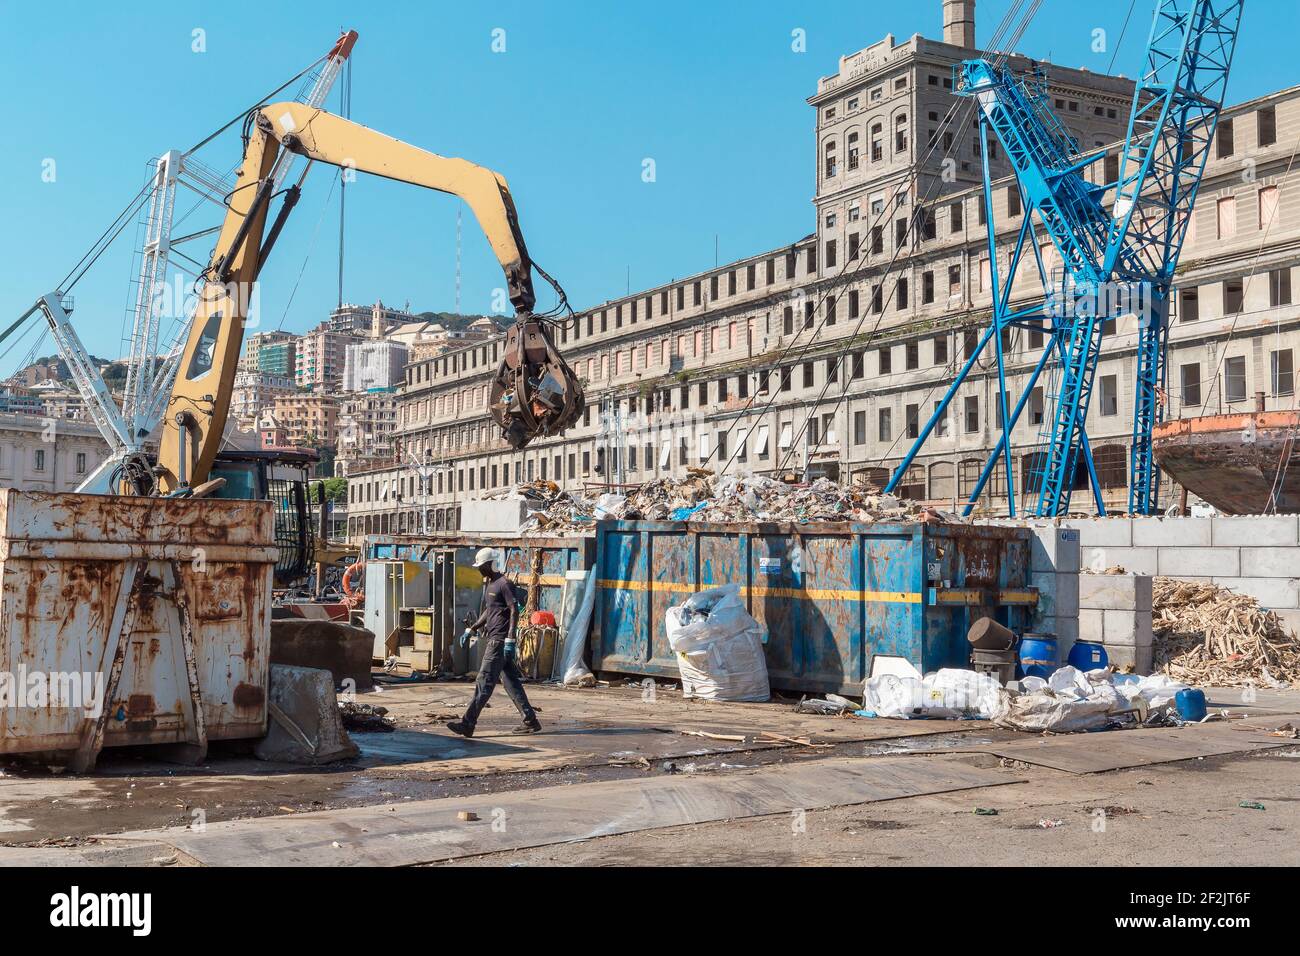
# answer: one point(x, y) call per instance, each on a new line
point(1087, 656)
point(1038, 655)
point(833, 597)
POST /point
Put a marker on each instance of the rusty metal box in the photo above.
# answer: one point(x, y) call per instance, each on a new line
point(162, 604)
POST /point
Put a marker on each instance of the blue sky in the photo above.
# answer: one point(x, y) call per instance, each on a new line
point(583, 93)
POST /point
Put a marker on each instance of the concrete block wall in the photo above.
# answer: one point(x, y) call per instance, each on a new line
point(1054, 570)
point(1115, 611)
point(1257, 555)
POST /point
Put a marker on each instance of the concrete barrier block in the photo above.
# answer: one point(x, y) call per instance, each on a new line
point(1123, 657)
point(1214, 562)
point(1058, 593)
point(1102, 532)
point(1121, 592)
point(1128, 628)
point(1268, 563)
point(1255, 531)
point(1171, 532)
point(1133, 560)
point(497, 516)
point(1275, 593)
point(1092, 625)
point(1054, 549)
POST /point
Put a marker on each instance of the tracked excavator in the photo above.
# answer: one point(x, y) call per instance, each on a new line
point(534, 392)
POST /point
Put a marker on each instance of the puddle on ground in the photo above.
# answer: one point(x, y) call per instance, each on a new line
point(921, 744)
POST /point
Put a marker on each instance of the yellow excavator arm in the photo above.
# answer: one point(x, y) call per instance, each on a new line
point(534, 391)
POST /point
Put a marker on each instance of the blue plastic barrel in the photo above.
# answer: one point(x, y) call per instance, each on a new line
point(1087, 656)
point(1190, 704)
point(1038, 655)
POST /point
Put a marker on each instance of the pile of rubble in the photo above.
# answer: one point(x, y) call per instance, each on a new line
point(701, 496)
point(1209, 636)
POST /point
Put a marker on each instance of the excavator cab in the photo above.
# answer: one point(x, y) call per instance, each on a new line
point(281, 477)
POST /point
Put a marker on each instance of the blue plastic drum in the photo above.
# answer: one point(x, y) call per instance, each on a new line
point(1087, 656)
point(1038, 655)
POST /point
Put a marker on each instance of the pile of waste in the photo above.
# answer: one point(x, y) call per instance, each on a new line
point(365, 718)
point(701, 496)
point(1208, 635)
point(1068, 701)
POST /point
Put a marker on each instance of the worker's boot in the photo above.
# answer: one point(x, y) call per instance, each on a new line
point(460, 727)
point(527, 727)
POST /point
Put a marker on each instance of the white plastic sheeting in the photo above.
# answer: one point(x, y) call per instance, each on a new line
point(947, 693)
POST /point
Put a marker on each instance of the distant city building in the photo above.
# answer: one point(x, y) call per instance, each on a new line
point(274, 352)
point(257, 391)
point(361, 319)
point(15, 399)
point(309, 420)
point(320, 357)
point(366, 424)
point(374, 365)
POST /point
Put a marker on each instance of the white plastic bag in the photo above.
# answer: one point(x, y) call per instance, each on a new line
point(719, 647)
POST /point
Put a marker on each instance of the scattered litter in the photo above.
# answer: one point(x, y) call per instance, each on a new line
point(800, 741)
point(364, 718)
point(1045, 824)
point(641, 763)
point(466, 816)
point(985, 812)
point(704, 733)
point(1251, 805)
point(1286, 730)
point(832, 705)
point(1211, 636)
point(1071, 701)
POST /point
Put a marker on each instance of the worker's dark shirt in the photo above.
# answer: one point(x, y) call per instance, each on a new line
point(498, 606)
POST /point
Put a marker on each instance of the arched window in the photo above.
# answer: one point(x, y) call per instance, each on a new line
point(900, 133)
point(832, 166)
point(853, 150)
point(941, 481)
point(877, 142)
point(913, 484)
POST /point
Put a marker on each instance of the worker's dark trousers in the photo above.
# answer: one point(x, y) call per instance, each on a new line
point(495, 667)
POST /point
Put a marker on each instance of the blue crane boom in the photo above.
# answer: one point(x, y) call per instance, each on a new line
point(1114, 261)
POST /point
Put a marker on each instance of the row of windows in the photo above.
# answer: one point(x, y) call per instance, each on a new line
point(1234, 382)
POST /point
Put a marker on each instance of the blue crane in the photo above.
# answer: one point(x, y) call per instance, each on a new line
point(1116, 261)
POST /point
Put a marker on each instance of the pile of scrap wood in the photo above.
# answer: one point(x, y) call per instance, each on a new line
point(1209, 636)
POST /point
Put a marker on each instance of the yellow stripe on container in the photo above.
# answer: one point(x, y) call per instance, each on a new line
point(817, 594)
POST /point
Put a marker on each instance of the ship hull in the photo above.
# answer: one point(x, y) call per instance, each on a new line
point(1242, 463)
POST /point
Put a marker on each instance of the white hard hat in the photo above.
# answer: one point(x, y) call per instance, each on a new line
point(485, 556)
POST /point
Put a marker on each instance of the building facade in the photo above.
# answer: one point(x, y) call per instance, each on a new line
point(47, 454)
point(829, 354)
point(308, 420)
point(320, 358)
point(374, 365)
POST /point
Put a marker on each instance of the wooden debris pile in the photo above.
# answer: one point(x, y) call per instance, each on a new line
point(1206, 635)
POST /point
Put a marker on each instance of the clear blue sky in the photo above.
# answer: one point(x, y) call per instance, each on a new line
point(584, 92)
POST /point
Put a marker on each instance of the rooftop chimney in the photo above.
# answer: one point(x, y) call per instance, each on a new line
point(959, 23)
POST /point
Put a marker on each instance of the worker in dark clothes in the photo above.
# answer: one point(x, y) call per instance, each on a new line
point(497, 622)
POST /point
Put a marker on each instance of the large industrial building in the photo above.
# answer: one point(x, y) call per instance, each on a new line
point(827, 356)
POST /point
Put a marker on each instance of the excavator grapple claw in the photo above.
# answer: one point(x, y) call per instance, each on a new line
point(534, 391)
